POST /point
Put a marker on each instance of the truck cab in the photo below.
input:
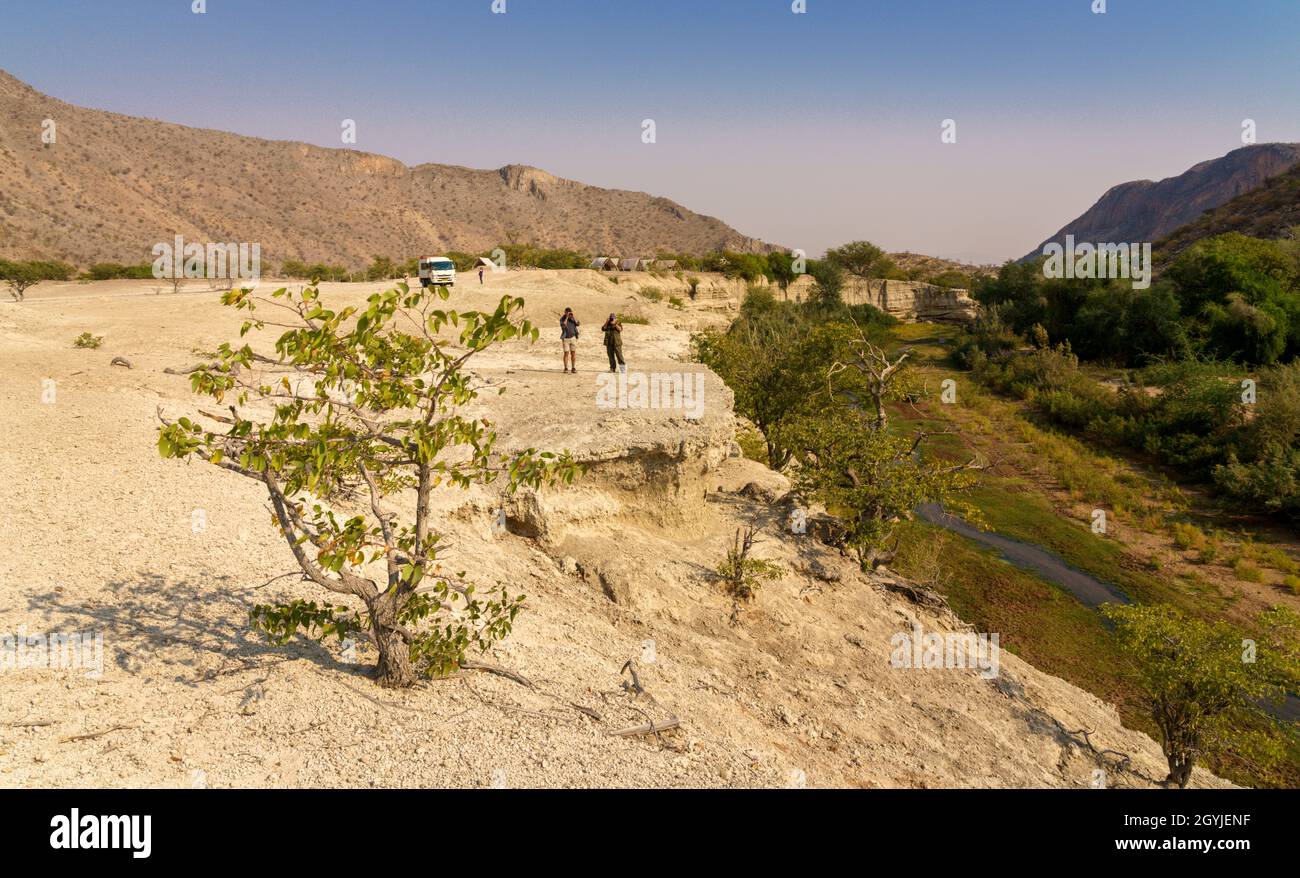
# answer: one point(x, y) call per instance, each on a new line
point(437, 271)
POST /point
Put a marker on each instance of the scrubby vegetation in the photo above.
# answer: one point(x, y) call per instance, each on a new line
point(1207, 381)
point(816, 380)
point(21, 276)
point(741, 574)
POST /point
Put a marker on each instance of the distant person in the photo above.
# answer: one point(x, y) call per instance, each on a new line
point(614, 343)
point(569, 340)
point(480, 275)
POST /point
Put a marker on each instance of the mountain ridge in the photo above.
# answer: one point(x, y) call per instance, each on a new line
point(112, 185)
point(1149, 210)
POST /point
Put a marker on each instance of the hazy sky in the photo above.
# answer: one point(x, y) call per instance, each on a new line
point(805, 130)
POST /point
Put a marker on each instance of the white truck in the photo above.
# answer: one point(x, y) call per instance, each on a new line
point(437, 271)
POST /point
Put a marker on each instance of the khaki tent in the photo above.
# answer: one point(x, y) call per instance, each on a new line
point(629, 264)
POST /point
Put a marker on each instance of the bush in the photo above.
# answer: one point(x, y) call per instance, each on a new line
point(1247, 571)
point(117, 271)
point(1188, 536)
point(86, 340)
point(742, 574)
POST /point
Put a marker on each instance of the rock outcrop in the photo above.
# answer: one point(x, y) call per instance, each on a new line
point(907, 300)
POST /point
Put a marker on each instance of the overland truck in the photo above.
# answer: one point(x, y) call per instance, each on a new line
point(437, 271)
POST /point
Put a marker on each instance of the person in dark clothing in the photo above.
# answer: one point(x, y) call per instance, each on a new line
point(569, 340)
point(614, 343)
point(480, 275)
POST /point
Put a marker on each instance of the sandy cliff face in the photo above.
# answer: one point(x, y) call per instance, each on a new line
point(795, 688)
point(904, 299)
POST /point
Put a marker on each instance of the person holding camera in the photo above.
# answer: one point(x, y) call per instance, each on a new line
point(569, 340)
point(614, 343)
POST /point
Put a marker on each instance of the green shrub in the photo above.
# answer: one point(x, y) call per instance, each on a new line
point(1188, 536)
point(86, 340)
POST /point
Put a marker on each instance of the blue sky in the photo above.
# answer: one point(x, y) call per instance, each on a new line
point(807, 130)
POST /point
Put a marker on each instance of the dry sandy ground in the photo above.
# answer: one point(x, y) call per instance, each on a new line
point(99, 536)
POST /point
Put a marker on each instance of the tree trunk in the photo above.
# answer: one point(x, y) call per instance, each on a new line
point(394, 670)
point(1180, 769)
point(1181, 744)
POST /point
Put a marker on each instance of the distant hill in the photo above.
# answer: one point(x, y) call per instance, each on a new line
point(1271, 210)
point(1149, 211)
point(112, 186)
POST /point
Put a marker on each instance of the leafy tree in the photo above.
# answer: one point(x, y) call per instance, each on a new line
point(382, 268)
point(781, 265)
point(1262, 471)
point(1247, 333)
point(828, 287)
point(20, 277)
point(774, 361)
point(366, 406)
point(862, 259)
point(873, 479)
point(1195, 675)
point(952, 279)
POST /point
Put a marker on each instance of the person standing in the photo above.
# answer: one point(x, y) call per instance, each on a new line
point(569, 340)
point(480, 275)
point(614, 343)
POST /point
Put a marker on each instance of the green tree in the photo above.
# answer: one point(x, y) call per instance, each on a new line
point(1195, 675)
point(364, 406)
point(20, 277)
point(862, 259)
point(873, 479)
point(781, 265)
point(828, 284)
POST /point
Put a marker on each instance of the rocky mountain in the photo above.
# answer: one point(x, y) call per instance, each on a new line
point(111, 186)
point(1268, 211)
point(1145, 210)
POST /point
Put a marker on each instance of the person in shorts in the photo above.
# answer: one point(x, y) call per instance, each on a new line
point(569, 340)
